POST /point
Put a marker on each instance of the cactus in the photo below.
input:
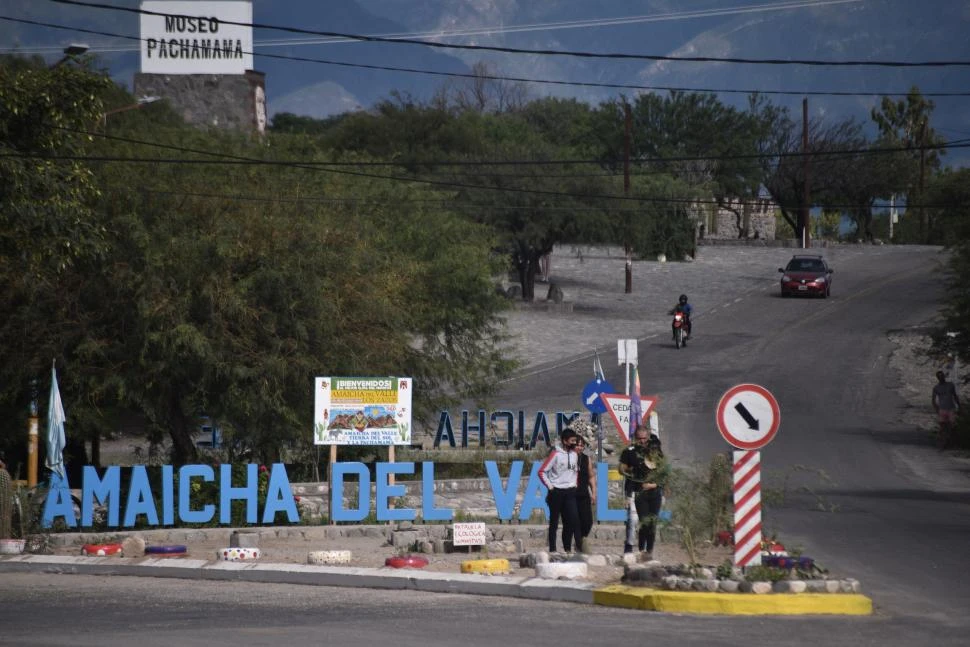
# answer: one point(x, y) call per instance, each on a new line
point(6, 504)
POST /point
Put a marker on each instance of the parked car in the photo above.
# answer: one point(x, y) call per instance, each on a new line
point(806, 274)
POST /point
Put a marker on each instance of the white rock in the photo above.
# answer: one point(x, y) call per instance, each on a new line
point(595, 560)
point(705, 585)
point(728, 586)
point(561, 570)
point(789, 586)
point(133, 546)
point(815, 586)
point(755, 587)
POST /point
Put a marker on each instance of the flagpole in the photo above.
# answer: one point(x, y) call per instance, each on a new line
point(32, 437)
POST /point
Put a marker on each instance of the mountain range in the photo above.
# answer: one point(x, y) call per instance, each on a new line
point(829, 30)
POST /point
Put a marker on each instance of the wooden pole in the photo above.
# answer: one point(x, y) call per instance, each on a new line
point(627, 128)
point(805, 216)
point(333, 459)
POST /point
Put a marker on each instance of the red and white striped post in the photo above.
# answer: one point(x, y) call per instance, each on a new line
point(747, 508)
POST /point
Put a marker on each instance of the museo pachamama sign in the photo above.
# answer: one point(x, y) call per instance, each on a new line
point(179, 37)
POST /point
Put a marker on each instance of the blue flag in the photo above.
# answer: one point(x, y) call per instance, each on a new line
point(636, 406)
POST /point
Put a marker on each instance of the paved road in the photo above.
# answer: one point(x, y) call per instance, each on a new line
point(898, 530)
point(80, 610)
point(893, 525)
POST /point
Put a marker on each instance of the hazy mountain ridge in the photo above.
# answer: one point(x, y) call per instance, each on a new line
point(864, 30)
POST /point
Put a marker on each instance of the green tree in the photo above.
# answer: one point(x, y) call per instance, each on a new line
point(906, 123)
point(46, 219)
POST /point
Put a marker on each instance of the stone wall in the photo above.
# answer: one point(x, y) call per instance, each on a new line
point(227, 101)
point(758, 218)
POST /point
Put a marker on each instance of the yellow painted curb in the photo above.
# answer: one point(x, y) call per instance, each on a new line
point(485, 566)
point(635, 597)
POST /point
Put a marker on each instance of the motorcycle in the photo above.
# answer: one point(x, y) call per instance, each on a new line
point(680, 329)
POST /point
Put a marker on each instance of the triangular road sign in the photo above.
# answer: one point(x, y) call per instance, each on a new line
point(618, 406)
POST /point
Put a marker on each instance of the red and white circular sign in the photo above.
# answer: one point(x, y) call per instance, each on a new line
point(748, 416)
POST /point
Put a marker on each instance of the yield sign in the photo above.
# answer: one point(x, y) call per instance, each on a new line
point(618, 406)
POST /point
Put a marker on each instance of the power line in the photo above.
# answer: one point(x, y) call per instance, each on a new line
point(452, 204)
point(540, 52)
point(520, 79)
point(957, 143)
point(545, 27)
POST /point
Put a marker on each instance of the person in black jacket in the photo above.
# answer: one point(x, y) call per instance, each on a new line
point(639, 464)
point(585, 491)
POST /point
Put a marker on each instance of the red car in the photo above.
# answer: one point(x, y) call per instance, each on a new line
point(806, 274)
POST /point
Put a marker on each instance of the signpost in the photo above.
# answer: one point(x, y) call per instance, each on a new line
point(747, 417)
point(626, 351)
point(592, 392)
point(618, 406)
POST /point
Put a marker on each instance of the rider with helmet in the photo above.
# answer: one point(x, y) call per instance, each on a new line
point(686, 308)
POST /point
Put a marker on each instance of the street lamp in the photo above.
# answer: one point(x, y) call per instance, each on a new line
point(71, 51)
point(144, 100)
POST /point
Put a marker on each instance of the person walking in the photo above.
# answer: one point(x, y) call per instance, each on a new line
point(560, 474)
point(585, 492)
point(639, 464)
point(946, 403)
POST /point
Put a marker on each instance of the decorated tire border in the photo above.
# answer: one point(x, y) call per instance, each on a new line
point(166, 550)
point(100, 550)
point(406, 561)
point(329, 557)
point(237, 554)
point(486, 566)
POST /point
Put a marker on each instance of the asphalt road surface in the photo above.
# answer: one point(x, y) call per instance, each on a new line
point(853, 499)
point(80, 610)
point(876, 509)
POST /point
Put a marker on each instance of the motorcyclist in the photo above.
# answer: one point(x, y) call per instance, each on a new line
point(687, 309)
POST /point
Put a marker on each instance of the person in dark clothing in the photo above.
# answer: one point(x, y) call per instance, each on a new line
point(639, 463)
point(585, 492)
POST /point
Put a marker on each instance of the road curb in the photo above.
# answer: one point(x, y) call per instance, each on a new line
point(703, 603)
point(628, 597)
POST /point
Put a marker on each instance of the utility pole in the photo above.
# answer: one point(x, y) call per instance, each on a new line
point(892, 215)
point(627, 127)
point(804, 219)
point(923, 220)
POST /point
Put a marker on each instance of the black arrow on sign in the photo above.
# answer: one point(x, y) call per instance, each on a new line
point(748, 418)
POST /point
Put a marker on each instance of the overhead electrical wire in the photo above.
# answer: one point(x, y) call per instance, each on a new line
point(519, 79)
point(956, 143)
point(544, 27)
point(537, 52)
point(238, 160)
point(464, 206)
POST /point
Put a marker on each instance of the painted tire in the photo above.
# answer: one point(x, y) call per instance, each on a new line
point(100, 550)
point(175, 549)
point(235, 554)
point(329, 557)
point(406, 561)
point(485, 566)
